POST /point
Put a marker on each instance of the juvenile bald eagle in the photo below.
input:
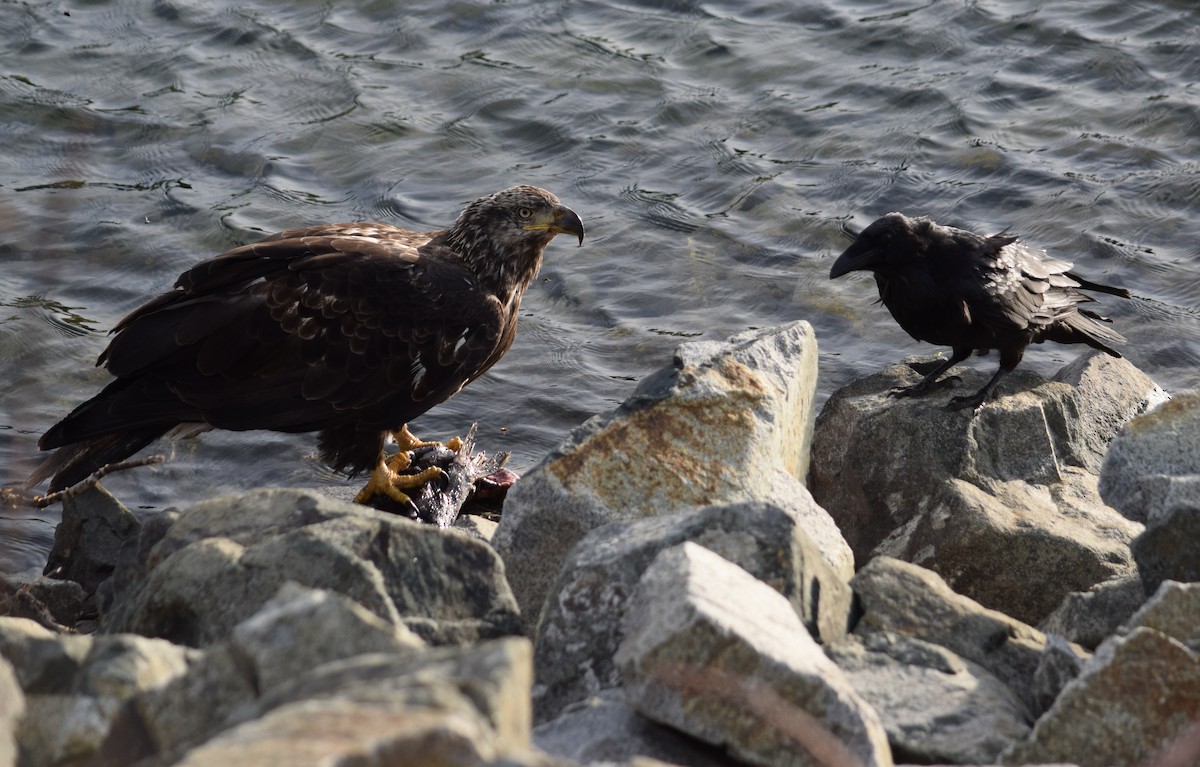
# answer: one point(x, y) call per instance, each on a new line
point(974, 293)
point(350, 330)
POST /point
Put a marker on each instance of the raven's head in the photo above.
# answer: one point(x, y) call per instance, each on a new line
point(894, 240)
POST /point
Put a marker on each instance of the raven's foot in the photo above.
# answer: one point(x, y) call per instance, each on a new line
point(924, 386)
point(974, 401)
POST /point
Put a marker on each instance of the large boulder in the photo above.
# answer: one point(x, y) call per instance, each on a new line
point(901, 598)
point(447, 706)
point(1138, 695)
point(219, 562)
point(1154, 463)
point(74, 686)
point(1002, 504)
point(935, 706)
point(725, 422)
point(723, 657)
point(580, 628)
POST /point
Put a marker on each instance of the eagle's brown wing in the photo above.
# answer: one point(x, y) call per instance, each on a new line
point(348, 329)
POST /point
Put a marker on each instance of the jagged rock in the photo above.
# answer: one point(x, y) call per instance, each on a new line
point(1138, 695)
point(445, 706)
point(1061, 662)
point(1173, 610)
point(604, 729)
point(301, 628)
point(1169, 549)
point(1088, 617)
point(220, 561)
point(306, 645)
point(717, 654)
point(969, 496)
point(74, 686)
point(935, 706)
point(902, 598)
point(97, 533)
point(1154, 463)
point(12, 707)
point(580, 628)
point(726, 422)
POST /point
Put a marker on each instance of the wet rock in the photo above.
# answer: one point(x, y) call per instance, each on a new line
point(96, 534)
point(902, 598)
point(717, 654)
point(220, 561)
point(935, 706)
point(1137, 695)
point(580, 628)
point(969, 496)
point(1169, 549)
point(1088, 617)
point(726, 422)
point(75, 686)
point(12, 707)
point(605, 729)
point(1154, 463)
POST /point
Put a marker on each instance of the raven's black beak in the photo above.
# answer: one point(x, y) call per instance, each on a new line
point(857, 257)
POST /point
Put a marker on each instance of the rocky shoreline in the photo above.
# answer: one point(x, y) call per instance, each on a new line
point(710, 575)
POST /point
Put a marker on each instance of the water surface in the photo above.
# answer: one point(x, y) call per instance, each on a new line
point(717, 151)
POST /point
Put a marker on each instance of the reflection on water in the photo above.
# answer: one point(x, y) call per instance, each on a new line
point(718, 152)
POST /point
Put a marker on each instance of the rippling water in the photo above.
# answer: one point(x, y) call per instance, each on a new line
point(716, 151)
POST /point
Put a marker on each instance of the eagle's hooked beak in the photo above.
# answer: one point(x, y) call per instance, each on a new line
point(563, 220)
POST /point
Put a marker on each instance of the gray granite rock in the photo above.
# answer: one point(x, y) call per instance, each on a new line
point(1169, 549)
point(723, 657)
point(74, 687)
point(580, 628)
point(935, 706)
point(1154, 463)
point(721, 424)
point(96, 534)
point(1134, 699)
point(1174, 610)
point(902, 598)
point(221, 560)
point(604, 729)
point(1088, 617)
point(967, 496)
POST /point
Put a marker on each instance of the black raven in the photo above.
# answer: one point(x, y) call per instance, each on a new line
point(351, 330)
point(974, 293)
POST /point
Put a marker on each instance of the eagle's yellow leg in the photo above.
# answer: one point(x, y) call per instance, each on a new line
point(386, 478)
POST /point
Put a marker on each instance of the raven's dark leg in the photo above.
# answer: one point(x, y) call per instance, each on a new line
point(930, 381)
point(1009, 359)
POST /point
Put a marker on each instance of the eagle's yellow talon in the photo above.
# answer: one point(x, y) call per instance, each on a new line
point(385, 481)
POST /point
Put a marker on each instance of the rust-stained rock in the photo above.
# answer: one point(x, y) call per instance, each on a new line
point(726, 422)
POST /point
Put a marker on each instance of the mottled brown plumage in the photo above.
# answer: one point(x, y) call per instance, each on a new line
point(351, 330)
